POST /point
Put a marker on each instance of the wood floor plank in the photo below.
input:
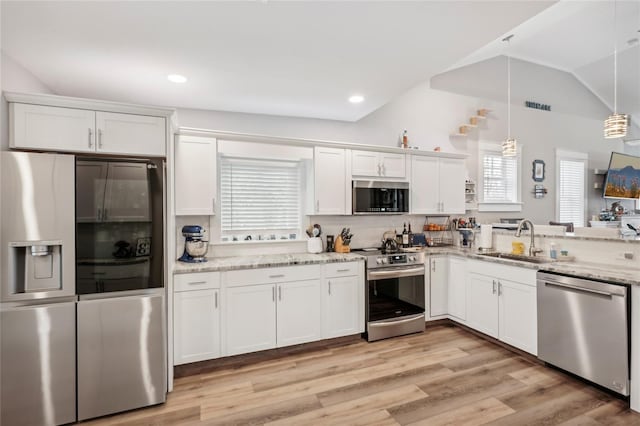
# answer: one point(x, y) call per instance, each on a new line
point(446, 375)
point(356, 407)
point(475, 413)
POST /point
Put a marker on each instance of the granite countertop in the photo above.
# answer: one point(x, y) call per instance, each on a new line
point(266, 261)
point(590, 270)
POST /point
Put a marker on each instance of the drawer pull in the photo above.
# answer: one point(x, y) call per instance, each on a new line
point(277, 276)
point(197, 282)
point(216, 301)
point(342, 270)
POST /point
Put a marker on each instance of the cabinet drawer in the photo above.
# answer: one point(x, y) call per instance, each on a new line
point(341, 269)
point(196, 281)
point(272, 275)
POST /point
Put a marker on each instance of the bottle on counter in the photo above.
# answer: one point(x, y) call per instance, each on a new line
point(405, 139)
point(410, 242)
point(553, 251)
point(405, 237)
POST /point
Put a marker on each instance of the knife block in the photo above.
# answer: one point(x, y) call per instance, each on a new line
point(340, 247)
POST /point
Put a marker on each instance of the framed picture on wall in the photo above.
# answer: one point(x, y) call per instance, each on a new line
point(538, 170)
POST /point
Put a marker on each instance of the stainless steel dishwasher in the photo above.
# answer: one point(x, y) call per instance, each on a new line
point(583, 328)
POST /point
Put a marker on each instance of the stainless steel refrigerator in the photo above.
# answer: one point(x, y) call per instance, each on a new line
point(37, 289)
point(121, 329)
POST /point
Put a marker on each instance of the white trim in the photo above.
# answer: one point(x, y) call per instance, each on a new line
point(500, 207)
point(571, 155)
point(88, 104)
point(252, 137)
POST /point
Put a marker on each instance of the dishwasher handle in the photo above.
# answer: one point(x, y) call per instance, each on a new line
point(582, 289)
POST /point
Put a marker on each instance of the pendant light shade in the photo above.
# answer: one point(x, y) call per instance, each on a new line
point(509, 145)
point(615, 126)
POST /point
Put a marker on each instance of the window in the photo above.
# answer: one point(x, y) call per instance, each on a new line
point(260, 199)
point(500, 182)
point(571, 196)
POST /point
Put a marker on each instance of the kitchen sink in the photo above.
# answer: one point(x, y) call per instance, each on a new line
point(520, 257)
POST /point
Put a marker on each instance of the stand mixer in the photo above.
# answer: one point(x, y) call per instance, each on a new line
point(195, 246)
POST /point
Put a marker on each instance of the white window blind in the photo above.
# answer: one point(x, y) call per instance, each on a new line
point(571, 191)
point(500, 178)
point(260, 195)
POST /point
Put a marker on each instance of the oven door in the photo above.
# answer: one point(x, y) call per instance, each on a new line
point(395, 302)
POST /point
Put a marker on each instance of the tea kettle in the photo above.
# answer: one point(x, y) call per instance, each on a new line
point(389, 245)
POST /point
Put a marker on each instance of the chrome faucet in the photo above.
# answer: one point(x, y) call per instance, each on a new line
point(532, 248)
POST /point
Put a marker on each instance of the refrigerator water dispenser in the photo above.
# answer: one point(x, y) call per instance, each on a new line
point(36, 267)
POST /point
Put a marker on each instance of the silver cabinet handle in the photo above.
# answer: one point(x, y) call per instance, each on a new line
point(578, 288)
point(213, 204)
point(90, 137)
point(104, 214)
point(379, 169)
point(273, 293)
point(216, 300)
point(499, 288)
point(342, 270)
point(433, 266)
point(197, 282)
point(384, 169)
point(442, 203)
point(276, 276)
point(280, 292)
point(494, 286)
point(100, 138)
point(329, 288)
point(317, 206)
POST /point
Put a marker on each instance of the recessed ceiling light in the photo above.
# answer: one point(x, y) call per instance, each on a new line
point(177, 78)
point(356, 99)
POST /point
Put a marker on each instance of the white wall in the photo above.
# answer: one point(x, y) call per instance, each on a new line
point(15, 78)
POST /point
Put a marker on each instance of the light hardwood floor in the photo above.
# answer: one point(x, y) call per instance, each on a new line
point(445, 376)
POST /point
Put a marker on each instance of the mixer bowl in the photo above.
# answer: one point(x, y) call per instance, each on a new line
point(197, 248)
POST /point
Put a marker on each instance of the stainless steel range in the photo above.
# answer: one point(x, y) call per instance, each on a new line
point(395, 297)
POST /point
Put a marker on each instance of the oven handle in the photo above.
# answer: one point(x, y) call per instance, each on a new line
point(391, 322)
point(395, 273)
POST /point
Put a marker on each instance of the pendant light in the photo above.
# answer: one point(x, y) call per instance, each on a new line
point(615, 126)
point(509, 145)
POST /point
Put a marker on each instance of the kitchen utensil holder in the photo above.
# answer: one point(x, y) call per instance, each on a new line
point(340, 247)
point(314, 245)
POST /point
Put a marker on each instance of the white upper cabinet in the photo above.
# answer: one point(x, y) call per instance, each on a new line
point(377, 164)
point(195, 158)
point(130, 134)
point(330, 181)
point(437, 185)
point(86, 130)
point(51, 128)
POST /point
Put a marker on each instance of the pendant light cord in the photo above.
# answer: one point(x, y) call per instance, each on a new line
point(508, 40)
point(615, 59)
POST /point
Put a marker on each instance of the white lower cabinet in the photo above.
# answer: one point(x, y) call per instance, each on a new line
point(250, 318)
point(343, 300)
point(502, 302)
point(298, 313)
point(457, 289)
point(438, 294)
point(196, 313)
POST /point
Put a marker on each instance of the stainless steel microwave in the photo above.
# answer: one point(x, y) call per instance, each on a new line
point(378, 197)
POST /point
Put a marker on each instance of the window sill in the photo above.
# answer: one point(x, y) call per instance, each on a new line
point(499, 207)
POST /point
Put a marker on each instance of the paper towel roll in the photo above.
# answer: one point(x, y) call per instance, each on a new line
point(486, 236)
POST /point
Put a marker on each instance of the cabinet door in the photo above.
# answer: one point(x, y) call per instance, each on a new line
point(424, 185)
point(196, 330)
point(341, 314)
point(451, 186)
point(457, 289)
point(130, 134)
point(365, 163)
point(249, 318)
point(91, 180)
point(52, 128)
point(518, 315)
point(126, 195)
point(482, 303)
point(438, 286)
point(299, 318)
point(195, 176)
point(392, 165)
point(329, 181)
